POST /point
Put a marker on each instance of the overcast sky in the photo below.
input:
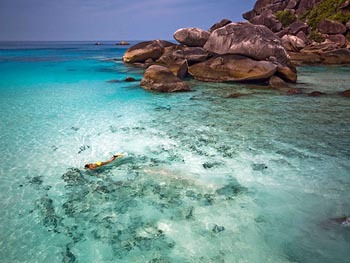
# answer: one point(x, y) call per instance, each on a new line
point(111, 19)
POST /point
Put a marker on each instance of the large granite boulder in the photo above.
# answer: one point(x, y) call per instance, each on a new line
point(339, 39)
point(160, 78)
point(292, 4)
point(172, 54)
point(249, 15)
point(300, 58)
point(227, 68)
point(176, 64)
point(272, 5)
point(145, 50)
point(268, 19)
point(303, 37)
point(292, 43)
point(288, 73)
point(192, 37)
point(348, 25)
point(222, 23)
point(297, 27)
point(255, 41)
point(339, 56)
point(191, 54)
point(328, 26)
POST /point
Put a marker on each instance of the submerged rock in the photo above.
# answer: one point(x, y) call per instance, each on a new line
point(37, 180)
point(68, 256)
point(277, 83)
point(73, 177)
point(159, 78)
point(259, 167)
point(230, 190)
point(345, 93)
point(130, 79)
point(316, 94)
point(232, 68)
point(217, 229)
point(47, 210)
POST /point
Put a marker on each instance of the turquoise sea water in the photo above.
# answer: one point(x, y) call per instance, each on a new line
point(208, 178)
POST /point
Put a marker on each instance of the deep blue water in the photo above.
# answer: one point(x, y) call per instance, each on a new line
point(207, 178)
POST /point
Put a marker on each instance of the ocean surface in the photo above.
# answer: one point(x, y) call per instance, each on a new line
point(259, 178)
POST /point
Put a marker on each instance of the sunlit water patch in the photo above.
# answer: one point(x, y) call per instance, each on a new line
point(207, 178)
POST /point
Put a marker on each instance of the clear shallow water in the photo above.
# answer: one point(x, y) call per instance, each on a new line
point(207, 179)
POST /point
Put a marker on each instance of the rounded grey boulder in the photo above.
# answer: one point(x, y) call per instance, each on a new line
point(192, 37)
point(145, 50)
point(254, 41)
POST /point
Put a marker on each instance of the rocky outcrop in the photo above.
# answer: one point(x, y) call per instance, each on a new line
point(297, 27)
point(305, 5)
point(230, 52)
point(336, 56)
point(292, 43)
point(192, 37)
point(145, 50)
point(268, 19)
point(176, 64)
point(159, 78)
point(332, 27)
point(222, 23)
point(314, 22)
point(253, 41)
point(191, 54)
point(338, 39)
point(322, 54)
point(272, 5)
point(226, 68)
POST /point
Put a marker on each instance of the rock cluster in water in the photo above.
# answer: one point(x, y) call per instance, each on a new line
point(226, 52)
point(312, 31)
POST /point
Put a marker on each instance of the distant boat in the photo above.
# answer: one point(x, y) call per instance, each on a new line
point(98, 44)
point(122, 43)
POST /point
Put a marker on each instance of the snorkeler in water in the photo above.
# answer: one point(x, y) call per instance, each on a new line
point(93, 166)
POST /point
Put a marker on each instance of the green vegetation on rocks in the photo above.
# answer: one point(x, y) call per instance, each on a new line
point(316, 36)
point(326, 9)
point(286, 17)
